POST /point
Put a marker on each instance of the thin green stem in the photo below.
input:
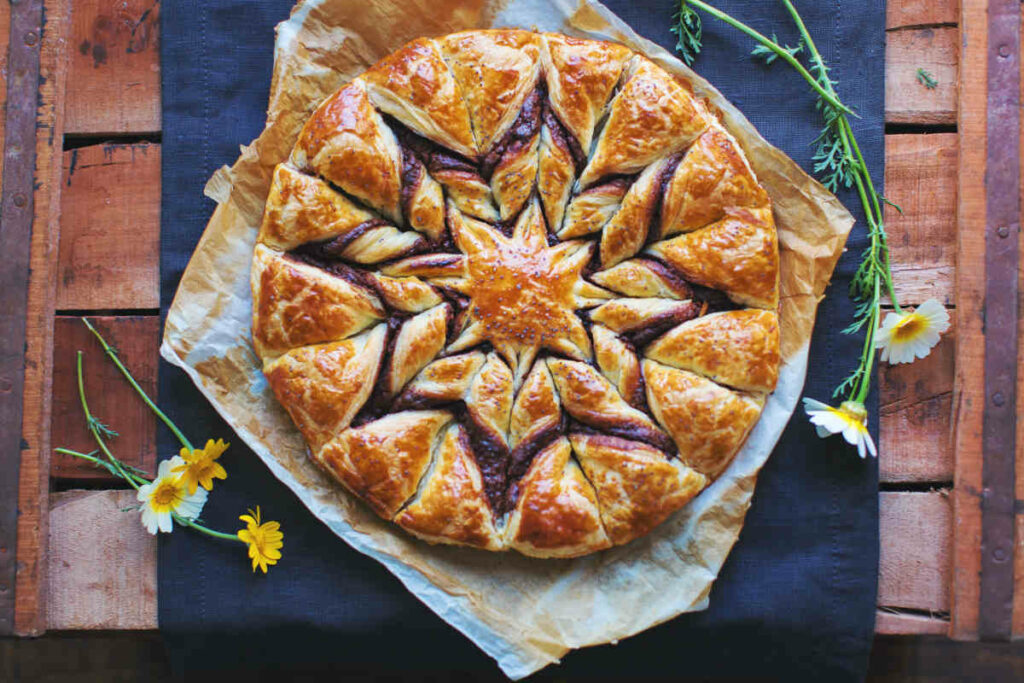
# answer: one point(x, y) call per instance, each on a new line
point(131, 380)
point(95, 433)
point(869, 352)
point(829, 97)
point(205, 530)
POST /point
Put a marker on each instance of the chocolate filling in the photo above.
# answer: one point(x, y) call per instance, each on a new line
point(525, 127)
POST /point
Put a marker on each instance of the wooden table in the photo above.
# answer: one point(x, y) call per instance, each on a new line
point(82, 564)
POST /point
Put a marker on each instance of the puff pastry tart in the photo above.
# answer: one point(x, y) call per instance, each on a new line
point(518, 291)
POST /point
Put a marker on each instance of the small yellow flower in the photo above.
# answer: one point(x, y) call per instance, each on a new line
point(167, 494)
point(913, 334)
point(850, 419)
point(265, 540)
point(200, 467)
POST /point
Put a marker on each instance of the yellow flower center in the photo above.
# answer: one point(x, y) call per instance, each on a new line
point(909, 327)
point(166, 496)
point(854, 412)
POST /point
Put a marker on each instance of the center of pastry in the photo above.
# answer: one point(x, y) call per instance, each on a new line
point(519, 295)
point(523, 291)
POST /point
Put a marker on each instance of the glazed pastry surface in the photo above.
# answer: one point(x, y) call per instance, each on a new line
point(518, 291)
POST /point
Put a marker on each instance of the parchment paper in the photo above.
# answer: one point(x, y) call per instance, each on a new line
point(525, 613)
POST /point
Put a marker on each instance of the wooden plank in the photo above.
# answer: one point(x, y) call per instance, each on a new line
point(895, 623)
point(916, 529)
point(904, 13)
point(110, 228)
point(908, 101)
point(111, 399)
point(5, 29)
point(1002, 304)
point(32, 153)
point(102, 563)
point(115, 67)
point(920, 176)
point(914, 422)
point(1018, 558)
point(968, 391)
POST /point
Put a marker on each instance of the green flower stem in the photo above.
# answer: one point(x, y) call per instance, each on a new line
point(869, 352)
point(204, 530)
point(90, 420)
point(828, 96)
point(131, 380)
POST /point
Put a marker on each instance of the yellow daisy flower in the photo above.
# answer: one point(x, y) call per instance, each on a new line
point(906, 336)
point(264, 539)
point(200, 466)
point(167, 494)
point(850, 419)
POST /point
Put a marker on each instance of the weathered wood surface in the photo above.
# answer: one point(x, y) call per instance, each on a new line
point(110, 228)
point(935, 51)
point(1018, 558)
point(114, 85)
point(102, 563)
point(920, 176)
point(907, 13)
point(913, 569)
point(968, 398)
point(111, 398)
point(896, 623)
point(33, 485)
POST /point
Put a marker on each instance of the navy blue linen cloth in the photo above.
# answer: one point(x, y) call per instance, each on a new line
point(796, 598)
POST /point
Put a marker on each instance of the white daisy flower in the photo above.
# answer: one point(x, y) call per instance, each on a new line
point(906, 336)
point(167, 494)
point(850, 419)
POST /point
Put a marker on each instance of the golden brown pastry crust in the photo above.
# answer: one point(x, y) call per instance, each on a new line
point(738, 255)
point(581, 75)
point(323, 386)
point(347, 142)
point(482, 291)
point(637, 486)
point(713, 177)
point(415, 86)
point(496, 70)
point(708, 422)
point(557, 513)
point(652, 116)
point(297, 304)
point(452, 506)
point(736, 348)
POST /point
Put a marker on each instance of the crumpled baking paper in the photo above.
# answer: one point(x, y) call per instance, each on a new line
point(525, 613)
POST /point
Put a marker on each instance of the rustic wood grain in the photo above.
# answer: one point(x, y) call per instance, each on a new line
point(1018, 557)
point(115, 67)
point(913, 569)
point(111, 398)
point(5, 29)
point(904, 13)
point(934, 50)
point(968, 394)
point(110, 228)
point(920, 176)
point(915, 412)
point(895, 623)
point(33, 480)
point(102, 563)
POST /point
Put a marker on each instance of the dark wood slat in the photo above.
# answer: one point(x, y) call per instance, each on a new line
point(1002, 263)
point(34, 77)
